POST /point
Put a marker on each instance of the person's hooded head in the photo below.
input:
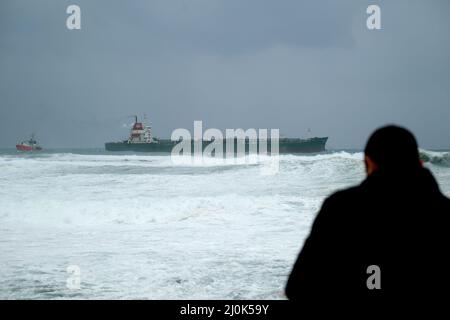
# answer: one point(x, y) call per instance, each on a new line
point(392, 148)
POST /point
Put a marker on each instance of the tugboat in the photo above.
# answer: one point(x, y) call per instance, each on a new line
point(141, 140)
point(30, 145)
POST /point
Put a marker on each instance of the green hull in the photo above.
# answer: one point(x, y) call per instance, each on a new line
point(286, 145)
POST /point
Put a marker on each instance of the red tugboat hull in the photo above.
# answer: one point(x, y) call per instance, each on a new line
point(21, 147)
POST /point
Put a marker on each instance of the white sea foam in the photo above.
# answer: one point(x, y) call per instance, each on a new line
point(140, 227)
point(437, 158)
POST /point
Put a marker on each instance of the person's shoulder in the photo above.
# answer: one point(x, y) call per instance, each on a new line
point(336, 209)
point(344, 195)
point(445, 202)
point(341, 200)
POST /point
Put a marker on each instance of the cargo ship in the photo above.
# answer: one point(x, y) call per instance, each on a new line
point(30, 145)
point(141, 140)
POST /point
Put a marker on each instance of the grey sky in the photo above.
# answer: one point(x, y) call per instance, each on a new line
point(291, 65)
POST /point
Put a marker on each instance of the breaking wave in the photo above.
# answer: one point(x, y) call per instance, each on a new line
point(437, 158)
point(69, 189)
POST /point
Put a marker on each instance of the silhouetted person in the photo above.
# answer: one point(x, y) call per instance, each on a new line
point(396, 219)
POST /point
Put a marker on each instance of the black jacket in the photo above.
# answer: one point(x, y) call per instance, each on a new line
point(396, 221)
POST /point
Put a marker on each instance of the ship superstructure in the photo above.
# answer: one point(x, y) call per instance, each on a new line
point(140, 133)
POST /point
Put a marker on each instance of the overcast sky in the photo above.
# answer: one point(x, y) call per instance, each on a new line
point(286, 64)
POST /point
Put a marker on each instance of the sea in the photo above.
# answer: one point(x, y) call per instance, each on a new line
point(87, 224)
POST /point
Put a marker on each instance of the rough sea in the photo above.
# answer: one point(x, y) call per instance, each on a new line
point(85, 224)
